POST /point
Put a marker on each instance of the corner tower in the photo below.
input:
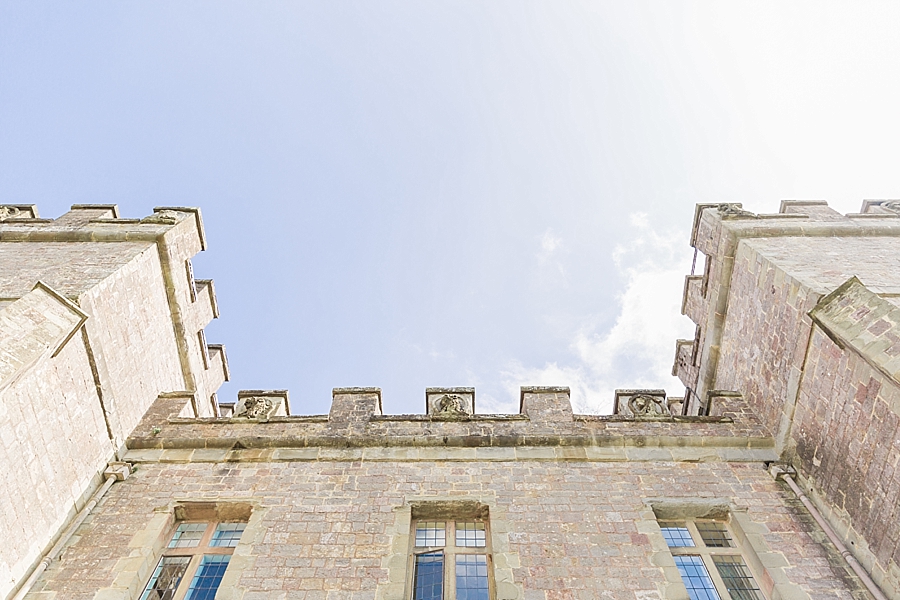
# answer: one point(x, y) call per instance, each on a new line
point(99, 315)
point(800, 313)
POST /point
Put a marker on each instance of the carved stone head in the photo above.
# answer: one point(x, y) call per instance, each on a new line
point(260, 405)
point(641, 404)
point(8, 212)
point(450, 402)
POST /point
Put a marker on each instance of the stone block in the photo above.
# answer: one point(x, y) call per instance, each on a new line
point(354, 407)
point(545, 403)
point(641, 404)
point(261, 405)
point(450, 402)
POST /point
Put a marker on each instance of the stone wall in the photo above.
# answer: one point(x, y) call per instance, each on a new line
point(799, 314)
point(847, 433)
point(83, 355)
point(765, 336)
point(53, 437)
point(329, 531)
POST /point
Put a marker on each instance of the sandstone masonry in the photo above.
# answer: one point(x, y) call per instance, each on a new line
point(795, 365)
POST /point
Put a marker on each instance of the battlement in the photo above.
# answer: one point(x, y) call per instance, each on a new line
point(97, 260)
point(356, 428)
point(101, 223)
point(104, 364)
point(811, 249)
point(799, 312)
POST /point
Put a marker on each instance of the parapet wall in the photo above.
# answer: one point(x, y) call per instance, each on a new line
point(802, 253)
point(356, 429)
point(133, 277)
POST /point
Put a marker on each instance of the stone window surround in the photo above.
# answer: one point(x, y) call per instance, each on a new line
point(149, 544)
point(449, 549)
point(399, 562)
point(769, 567)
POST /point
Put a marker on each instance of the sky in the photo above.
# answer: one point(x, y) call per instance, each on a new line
point(408, 194)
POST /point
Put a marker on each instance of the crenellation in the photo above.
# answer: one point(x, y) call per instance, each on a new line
point(206, 294)
point(450, 402)
point(642, 404)
point(80, 215)
point(261, 404)
point(816, 210)
point(883, 207)
point(353, 407)
point(795, 361)
point(543, 404)
point(693, 300)
point(791, 305)
point(18, 212)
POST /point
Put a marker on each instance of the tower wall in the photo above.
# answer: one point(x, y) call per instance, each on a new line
point(97, 319)
point(798, 312)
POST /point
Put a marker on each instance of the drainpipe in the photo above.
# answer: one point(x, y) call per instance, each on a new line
point(117, 471)
point(787, 474)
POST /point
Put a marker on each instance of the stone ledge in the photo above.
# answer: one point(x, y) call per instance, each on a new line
point(433, 454)
point(645, 439)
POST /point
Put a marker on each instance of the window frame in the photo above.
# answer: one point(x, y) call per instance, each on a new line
point(195, 554)
point(450, 552)
point(707, 553)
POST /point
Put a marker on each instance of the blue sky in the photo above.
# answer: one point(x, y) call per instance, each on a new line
point(406, 194)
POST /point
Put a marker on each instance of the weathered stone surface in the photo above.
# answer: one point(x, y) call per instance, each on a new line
point(330, 530)
point(802, 320)
point(788, 362)
point(84, 356)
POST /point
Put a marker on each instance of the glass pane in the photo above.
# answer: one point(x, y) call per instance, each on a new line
point(738, 580)
point(429, 576)
point(188, 535)
point(227, 535)
point(471, 577)
point(677, 535)
point(470, 535)
point(430, 534)
point(208, 577)
point(715, 535)
point(166, 578)
point(696, 578)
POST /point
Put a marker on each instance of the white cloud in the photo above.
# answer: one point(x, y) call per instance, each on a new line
point(551, 249)
point(638, 350)
point(549, 243)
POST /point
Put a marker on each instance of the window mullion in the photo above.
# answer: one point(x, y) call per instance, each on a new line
point(181, 590)
point(450, 561)
point(207, 535)
point(699, 544)
point(492, 592)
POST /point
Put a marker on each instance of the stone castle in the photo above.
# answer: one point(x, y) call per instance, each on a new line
point(775, 476)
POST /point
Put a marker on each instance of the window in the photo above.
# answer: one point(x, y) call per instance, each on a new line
point(451, 560)
point(194, 561)
point(709, 561)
